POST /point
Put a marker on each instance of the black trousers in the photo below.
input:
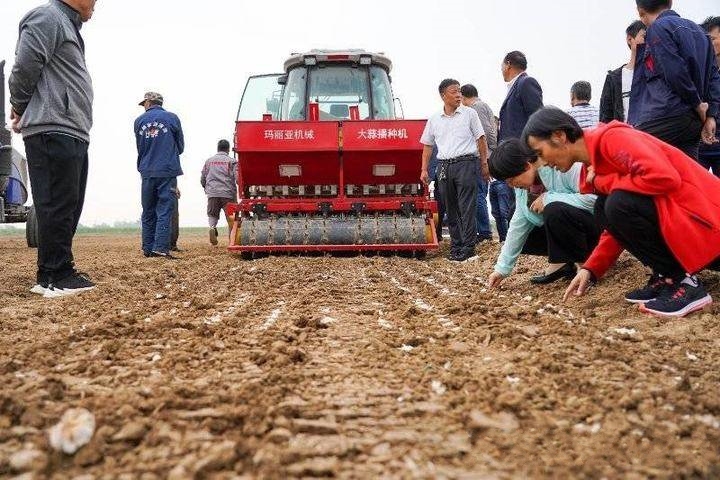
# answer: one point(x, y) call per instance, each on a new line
point(441, 210)
point(459, 193)
point(682, 132)
point(58, 167)
point(633, 220)
point(569, 235)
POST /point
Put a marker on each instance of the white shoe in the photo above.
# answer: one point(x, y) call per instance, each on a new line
point(38, 289)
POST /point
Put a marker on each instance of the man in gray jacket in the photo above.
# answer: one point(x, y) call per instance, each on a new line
point(51, 97)
point(219, 181)
point(471, 99)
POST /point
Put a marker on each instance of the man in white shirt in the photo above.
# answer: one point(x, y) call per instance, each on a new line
point(462, 150)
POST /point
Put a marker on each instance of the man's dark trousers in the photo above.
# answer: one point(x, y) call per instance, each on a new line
point(158, 202)
point(441, 210)
point(682, 132)
point(175, 220)
point(58, 167)
point(459, 192)
point(482, 216)
point(502, 206)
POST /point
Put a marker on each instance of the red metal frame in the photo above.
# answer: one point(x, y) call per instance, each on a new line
point(332, 154)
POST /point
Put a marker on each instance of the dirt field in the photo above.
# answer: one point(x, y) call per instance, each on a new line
point(214, 367)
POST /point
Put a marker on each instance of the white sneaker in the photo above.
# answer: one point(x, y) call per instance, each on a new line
point(39, 289)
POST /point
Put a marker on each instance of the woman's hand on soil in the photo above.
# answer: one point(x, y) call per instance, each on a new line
point(579, 284)
point(495, 279)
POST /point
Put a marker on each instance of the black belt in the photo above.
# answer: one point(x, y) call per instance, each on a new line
point(442, 168)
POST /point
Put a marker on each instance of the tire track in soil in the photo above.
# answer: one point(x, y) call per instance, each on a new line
point(368, 420)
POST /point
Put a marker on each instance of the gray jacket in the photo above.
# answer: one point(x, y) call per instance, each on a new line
point(487, 119)
point(50, 86)
point(218, 176)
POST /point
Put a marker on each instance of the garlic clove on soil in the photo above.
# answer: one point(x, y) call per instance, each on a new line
point(75, 429)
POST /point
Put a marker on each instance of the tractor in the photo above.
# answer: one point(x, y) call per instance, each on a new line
point(325, 164)
point(14, 178)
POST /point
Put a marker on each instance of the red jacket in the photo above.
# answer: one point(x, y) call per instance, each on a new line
point(687, 196)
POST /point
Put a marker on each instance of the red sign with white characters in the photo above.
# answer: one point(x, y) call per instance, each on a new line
point(286, 136)
point(383, 134)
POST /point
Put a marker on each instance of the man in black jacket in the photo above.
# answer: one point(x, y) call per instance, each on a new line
point(615, 99)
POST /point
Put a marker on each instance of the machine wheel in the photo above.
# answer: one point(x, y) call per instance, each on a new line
point(31, 228)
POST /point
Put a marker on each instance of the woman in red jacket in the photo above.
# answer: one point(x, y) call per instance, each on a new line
point(656, 202)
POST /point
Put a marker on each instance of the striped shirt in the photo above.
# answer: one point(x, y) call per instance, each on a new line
point(586, 115)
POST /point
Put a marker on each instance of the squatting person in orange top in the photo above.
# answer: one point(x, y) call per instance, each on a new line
point(654, 201)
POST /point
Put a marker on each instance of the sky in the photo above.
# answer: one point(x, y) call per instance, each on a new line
point(200, 54)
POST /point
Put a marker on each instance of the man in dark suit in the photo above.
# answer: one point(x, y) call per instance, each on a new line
point(523, 99)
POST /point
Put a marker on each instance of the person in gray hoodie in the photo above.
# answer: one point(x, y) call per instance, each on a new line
point(218, 178)
point(51, 96)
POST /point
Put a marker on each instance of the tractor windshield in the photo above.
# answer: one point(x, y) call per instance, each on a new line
point(261, 96)
point(336, 88)
point(293, 102)
point(383, 106)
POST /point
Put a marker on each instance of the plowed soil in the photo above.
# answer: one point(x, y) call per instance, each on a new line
point(215, 367)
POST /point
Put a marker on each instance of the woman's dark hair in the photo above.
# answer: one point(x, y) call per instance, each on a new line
point(510, 159)
point(543, 123)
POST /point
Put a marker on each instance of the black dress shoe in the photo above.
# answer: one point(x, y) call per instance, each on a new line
point(566, 271)
point(460, 257)
point(483, 238)
point(164, 255)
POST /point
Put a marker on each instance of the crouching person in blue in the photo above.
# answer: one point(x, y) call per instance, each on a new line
point(160, 143)
point(552, 218)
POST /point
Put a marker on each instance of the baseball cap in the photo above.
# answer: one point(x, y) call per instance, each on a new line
point(153, 97)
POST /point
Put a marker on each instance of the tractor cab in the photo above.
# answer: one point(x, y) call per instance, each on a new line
point(323, 85)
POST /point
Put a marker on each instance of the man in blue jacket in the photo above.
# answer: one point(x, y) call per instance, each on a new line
point(679, 86)
point(160, 143)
